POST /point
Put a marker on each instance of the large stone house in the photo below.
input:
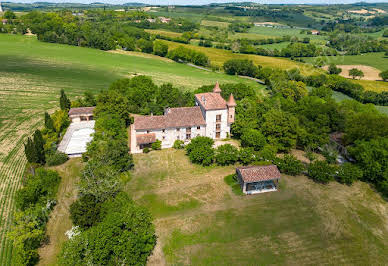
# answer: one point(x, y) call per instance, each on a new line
point(211, 116)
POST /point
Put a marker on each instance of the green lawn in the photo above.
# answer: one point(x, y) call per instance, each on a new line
point(279, 32)
point(31, 76)
point(201, 221)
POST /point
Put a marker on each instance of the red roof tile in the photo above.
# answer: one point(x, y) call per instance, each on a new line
point(174, 117)
point(211, 101)
point(81, 111)
point(145, 138)
point(258, 173)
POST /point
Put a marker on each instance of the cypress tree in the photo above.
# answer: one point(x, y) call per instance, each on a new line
point(38, 145)
point(64, 102)
point(48, 122)
point(30, 152)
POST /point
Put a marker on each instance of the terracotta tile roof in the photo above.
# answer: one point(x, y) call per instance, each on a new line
point(145, 138)
point(174, 117)
point(231, 102)
point(81, 111)
point(211, 101)
point(258, 173)
point(217, 88)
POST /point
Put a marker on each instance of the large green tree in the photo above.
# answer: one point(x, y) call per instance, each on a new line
point(64, 102)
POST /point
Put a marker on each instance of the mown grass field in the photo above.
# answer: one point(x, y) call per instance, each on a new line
point(31, 76)
point(219, 56)
point(200, 221)
point(376, 60)
point(164, 33)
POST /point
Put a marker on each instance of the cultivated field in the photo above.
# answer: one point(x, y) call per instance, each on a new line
point(370, 73)
point(200, 221)
point(31, 76)
point(219, 56)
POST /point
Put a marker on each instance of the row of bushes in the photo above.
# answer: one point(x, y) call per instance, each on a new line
point(34, 203)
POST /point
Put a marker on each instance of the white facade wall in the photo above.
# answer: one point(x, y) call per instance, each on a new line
point(211, 116)
point(169, 135)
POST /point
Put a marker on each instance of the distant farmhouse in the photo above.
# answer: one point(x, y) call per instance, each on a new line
point(315, 32)
point(258, 179)
point(212, 117)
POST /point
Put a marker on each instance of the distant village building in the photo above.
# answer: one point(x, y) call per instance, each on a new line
point(212, 117)
point(258, 179)
point(315, 32)
point(151, 20)
point(81, 114)
point(164, 19)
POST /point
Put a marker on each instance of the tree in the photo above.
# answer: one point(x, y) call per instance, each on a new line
point(242, 67)
point(145, 46)
point(39, 147)
point(160, 48)
point(290, 165)
point(85, 211)
point(48, 122)
point(200, 150)
point(253, 138)
point(321, 171)
point(333, 69)
point(384, 75)
point(125, 236)
point(30, 151)
point(9, 15)
point(281, 129)
point(247, 155)
point(354, 72)
point(226, 154)
point(64, 102)
point(179, 144)
point(348, 173)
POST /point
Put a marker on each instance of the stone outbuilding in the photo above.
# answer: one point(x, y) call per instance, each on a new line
point(258, 179)
point(81, 114)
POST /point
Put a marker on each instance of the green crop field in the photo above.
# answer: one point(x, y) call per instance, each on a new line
point(31, 76)
point(200, 221)
point(278, 32)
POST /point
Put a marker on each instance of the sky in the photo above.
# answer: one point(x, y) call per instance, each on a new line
point(202, 2)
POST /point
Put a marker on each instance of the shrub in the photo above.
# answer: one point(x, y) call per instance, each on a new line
point(268, 153)
point(160, 48)
point(178, 144)
point(226, 154)
point(348, 173)
point(253, 138)
point(243, 67)
point(384, 75)
point(157, 145)
point(200, 150)
point(333, 69)
point(85, 211)
point(321, 171)
point(247, 155)
point(146, 150)
point(56, 158)
point(38, 189)
point(290, 165)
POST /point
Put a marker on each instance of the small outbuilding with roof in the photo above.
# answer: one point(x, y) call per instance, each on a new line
point(258, 179)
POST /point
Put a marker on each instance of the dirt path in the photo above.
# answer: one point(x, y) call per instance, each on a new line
point(59, 221)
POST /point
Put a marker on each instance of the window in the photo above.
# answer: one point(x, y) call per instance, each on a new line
point(148, 131)
point(163, 130)
point(178, 129)
point(218, 118)
point(188, 136)
point(218, 127)
point(177, 137)
point(188, 130)
point(164, 137)
point(198, 127)
point(83, 118)
point(218, 135)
